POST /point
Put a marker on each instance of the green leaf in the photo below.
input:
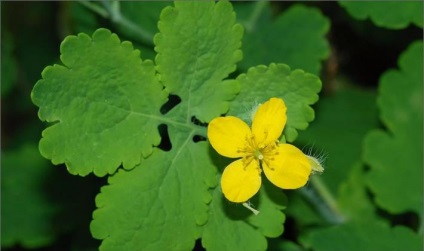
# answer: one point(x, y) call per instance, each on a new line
point(222, 233)
point(165, 198)
point(193, 59)
point(353, 198)
point(296, 38)
point(270, 202)
point(233, 227)
point(161, 204)
point(395, 155)
point(104, 102)
point(387, 14)
point(365, 236)
point(26, 212)
point(297, 88)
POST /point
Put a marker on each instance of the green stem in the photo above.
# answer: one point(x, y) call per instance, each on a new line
point(95, 8)
point(201, 131)
point(112, 10)
point(117, 17)
point(323, 200)
point(250, 23)
point(141, 34)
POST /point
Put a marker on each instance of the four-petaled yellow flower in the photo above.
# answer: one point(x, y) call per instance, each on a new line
point(283, 164)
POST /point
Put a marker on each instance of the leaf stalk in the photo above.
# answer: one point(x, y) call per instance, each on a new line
point(323, 200)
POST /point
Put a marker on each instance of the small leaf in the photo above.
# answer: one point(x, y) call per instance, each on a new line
point(26, 212)
point(161, 204)
point(104, 102)
point(395, 155)
point(193, 60)
point(364, 236)
point(297, 88)
point(296, 38)
point(387, 14)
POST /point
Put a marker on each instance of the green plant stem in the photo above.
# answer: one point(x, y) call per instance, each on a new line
point(117, 17)
point(95, 8)
point(323, 201)
point(250, 24)
point(112, 11)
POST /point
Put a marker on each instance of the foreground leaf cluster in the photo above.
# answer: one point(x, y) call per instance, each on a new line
point(109, 108)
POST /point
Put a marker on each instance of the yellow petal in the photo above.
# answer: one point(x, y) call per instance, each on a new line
point(239, 182)
point(289, 169)
point(269, 121)
point(228, 135)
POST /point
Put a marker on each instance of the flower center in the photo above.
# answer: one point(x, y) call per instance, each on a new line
point(258, 154)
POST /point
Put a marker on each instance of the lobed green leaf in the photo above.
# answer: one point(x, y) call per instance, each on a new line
point(161, 204)
point(104, 103)
point(229, 223)
point(395, 155)
point(165, 198)
point(296, 38)
point(297, 88)
point(227, 229)
point(387, 14)
point(194, 59)
point(364, 236)
point(353, 198)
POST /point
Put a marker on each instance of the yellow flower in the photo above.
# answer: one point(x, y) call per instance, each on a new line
point(259, 149)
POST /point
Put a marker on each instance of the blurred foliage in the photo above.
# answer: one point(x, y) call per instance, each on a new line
point(366, 236)
point(26, 212)
point(392, 15)
point(367, 127)
point(286, 38)
point(397, 149)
